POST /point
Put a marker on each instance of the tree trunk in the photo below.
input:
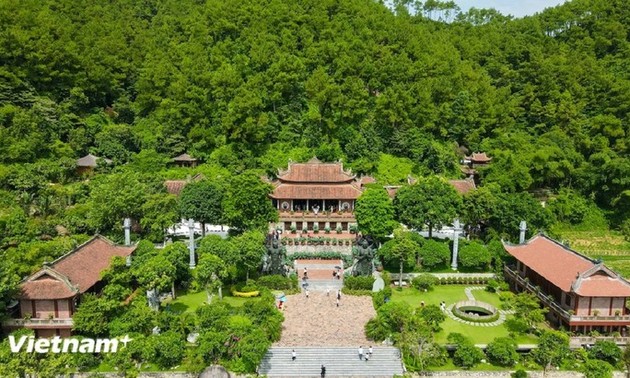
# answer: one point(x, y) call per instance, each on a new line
point(247, 276)
point(203, 229)
point(220, 292)
point(430, 230)
point(400, 276)
point(173, 289)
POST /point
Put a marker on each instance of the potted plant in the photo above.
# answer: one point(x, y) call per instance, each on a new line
point(353, 228)
point(617, 312)
point(596, 312)
point(339, 229)
point(305, 231)
point(290, 241)
point(316, 228)
point(283, 241)
point(327, 229)
point(334, 242)
point(347, 242)
point(293, 229)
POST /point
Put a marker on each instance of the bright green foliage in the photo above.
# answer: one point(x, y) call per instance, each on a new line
point(424, 282)
point(502, 351)
point(466, 353)
point(528, 310)
point(401, 249)
point(247, 205)
point(431, 201)
point(203, 202)
point(569, 207)
point(434, 254)
point(597, 369)
point(375, 213)
point(553, 348)
point(250, 247)
point(159, 213)
point(606, 351)
point(474, 255)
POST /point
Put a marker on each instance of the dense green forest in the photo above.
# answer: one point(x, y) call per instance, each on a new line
point(246, 85)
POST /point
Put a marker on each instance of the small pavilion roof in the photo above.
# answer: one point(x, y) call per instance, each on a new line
point(479, 157)
point(184, 157)
point(90, 160)
point(567, 269)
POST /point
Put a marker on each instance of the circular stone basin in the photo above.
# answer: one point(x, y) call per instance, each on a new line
point(475, 311)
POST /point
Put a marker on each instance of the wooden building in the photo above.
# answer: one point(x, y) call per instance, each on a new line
point(48, 298)
point(185, 160)
point(317, 194)
point(582, 294)
point(89, 162)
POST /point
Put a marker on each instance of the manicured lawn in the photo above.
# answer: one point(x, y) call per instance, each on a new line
point(189, 302)
point(455, 293)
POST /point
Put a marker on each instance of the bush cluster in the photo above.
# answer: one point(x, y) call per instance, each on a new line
point(359, 283)
point(425, 282)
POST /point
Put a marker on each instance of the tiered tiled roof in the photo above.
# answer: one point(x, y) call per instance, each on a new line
point(317, 180)
point(314, 171)
point(75, 272)
point(567, 269)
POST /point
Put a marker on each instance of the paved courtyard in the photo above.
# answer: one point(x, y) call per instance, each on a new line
point(317, 321)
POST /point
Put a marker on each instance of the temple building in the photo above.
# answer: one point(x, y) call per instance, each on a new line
point(316, 194)
point(89, 162)
point(473, 162)
point(582, 294)
point(48, 298)
point(185, 160)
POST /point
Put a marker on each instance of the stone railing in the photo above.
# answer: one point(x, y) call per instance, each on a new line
point(33, 322)
point(577, 341)
point(310, 214)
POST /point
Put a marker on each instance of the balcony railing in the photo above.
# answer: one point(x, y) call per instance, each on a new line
point(310, 214)
point(34, 322)
point(550, 302)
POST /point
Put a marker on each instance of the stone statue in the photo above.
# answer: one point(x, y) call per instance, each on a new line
point(273, 260)
point(363, 257)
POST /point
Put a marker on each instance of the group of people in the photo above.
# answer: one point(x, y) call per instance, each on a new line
point(362, 356)
point(367, 356)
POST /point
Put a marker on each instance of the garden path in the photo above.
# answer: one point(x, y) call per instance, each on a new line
point(448, 310)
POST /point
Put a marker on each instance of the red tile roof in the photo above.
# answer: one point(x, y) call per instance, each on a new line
point(47, 284)
point(77, 270)
point(463, 186)
point(309, 191)
point(175, 186)
point(314, 171)
point(479, 157)
point(567, 269)
point(84, 265)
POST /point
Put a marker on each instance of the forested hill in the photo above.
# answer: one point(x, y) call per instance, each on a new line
point(248, 84)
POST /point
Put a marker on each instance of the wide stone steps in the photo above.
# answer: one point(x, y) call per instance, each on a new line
point(339, 362)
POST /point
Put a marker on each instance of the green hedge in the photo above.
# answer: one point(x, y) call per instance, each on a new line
point(277, 282)
point(357, 292)
point(464, 280)
point(359, 282)
point(425, 282)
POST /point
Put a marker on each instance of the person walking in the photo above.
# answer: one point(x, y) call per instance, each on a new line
point(370, 350)
point(323, 371)
point(293, 355)
point(306, 292)
point(338, 295)
point(337, 302)
point(328, 292)
point(360, 352)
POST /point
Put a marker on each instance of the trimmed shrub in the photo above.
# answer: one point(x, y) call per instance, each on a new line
point(277, 282)
point(502, 351)
point(379, 298)
point(359, 283)
point(424, 282)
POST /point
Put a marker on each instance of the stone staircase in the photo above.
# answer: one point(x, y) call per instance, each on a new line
point(339, 362)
